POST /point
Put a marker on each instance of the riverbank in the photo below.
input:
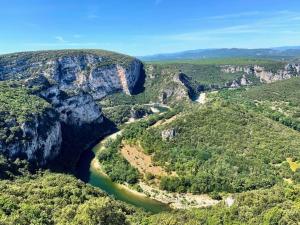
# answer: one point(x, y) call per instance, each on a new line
point(97, 166)
point(174, 200)
point(177, 200)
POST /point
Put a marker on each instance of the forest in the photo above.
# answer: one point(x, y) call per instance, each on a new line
point(44, 197)
point(223, 148)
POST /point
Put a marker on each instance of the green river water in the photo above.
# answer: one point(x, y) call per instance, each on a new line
point(88, 174)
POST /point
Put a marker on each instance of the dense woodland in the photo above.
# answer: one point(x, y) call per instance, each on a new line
point(221, 147)
point(238, 142)
point(38, 197)
point(44, 197)
point(118, 169)
point(113, 164)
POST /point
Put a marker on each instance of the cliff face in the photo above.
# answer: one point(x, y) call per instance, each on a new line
point(80, 118)
point(39, 139)
point(93, 73)
point(265, 75)
point(87, 73)
point(70, 82)
point(289, 71)
point(74, 109)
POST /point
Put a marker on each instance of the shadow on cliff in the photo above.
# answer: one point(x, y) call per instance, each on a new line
point(76, 152)
point(82, 170)
point(139, 86)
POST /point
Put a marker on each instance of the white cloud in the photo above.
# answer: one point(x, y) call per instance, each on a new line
point(275, 23)
point(208, 33)
point(60, 39)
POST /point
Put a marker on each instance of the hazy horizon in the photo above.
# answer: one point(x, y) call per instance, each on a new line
point(155, 54)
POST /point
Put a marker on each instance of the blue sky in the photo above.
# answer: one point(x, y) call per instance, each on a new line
point(142, 27)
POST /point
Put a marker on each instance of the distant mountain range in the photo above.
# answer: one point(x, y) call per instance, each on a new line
point(279, 53)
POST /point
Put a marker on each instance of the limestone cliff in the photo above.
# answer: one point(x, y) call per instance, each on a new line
point(29, 126)
point(70, 81)
point(264, 74)
point(41, 140)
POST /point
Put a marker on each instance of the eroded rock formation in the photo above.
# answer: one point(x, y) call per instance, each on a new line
point(265, 75)
point(70, 82)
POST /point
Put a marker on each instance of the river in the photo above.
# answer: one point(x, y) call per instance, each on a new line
point(89, 174)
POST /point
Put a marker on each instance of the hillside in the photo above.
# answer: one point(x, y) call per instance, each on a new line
point(190, 117)
point(51, 198)
point(283, 91)
point(221, 147)
point(171, 82)
point(278, 205)
point(278, 101)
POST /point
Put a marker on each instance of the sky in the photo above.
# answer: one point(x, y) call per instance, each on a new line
point(145, 27)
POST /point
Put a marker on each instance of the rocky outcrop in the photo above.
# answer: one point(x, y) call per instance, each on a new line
point(191, 87)
point(289, 71)
point(139, 112)
point(84, 73)
point(244, 81)
point(175, 91)
point(264, 75)
point(74, 108)
point(72, 82)
point(235, 69)
point(168, 134)
point(95, 72)
point(40, 139)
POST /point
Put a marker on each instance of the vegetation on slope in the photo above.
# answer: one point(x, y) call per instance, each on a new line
point(120, 114)
point(278, 205)
point(17, 106)
point(52, 198)
point(278, 101)
point(286, 90)
point(229, 145)
point(200, 75)
point(43, 56)
point(113, 163)
point(118, 169)
point(19, 102)
point(222, 147)
point(209, 71)
point(224, 61)
point(203, 75)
